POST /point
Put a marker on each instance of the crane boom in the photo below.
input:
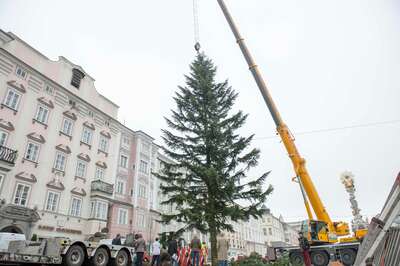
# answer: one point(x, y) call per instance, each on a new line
point(282, 129)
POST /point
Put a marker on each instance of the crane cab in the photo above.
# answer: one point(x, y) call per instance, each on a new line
point(317, 232)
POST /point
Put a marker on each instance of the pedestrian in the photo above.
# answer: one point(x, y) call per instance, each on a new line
point(156, 247)
point(173, 249)
point(187, 254)
point(195, 245)
point(222, 248)
point(305, 248)
point(116, 240)
point(140, 247)
point(204, 252)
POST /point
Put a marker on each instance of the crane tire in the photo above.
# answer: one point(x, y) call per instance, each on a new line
point(296, 259)
point(347, 256)
point(75, 256)
point(122, 258)
point(100, 257)
point(319, 258)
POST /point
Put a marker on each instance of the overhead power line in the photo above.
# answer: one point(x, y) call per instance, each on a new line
point(336, 128)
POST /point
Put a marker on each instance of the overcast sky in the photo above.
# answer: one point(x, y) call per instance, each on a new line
point(328, 64)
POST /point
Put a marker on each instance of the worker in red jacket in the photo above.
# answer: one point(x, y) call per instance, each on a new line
point(305, 248)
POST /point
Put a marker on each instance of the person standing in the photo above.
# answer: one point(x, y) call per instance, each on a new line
point(305, 248)
point(173, 249)
point(195, 246)
point(140, 247)
point(222, 248)
point(204, 252)
point(156, 247)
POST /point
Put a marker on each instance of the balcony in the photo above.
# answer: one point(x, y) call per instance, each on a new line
point(8, 155)
point(101, 186)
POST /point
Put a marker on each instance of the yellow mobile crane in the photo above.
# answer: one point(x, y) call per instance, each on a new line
point(321, 231)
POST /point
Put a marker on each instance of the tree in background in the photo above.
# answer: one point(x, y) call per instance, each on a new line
point(206, 181)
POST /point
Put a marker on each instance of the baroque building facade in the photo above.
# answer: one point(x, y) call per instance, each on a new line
point(64, 134)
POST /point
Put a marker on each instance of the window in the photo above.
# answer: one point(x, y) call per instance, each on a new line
point(122, 216)
point(99, 174)
point(77, 75)
point(52, 201)
point(123, 161)
point(270, 231)
point(21, 194)
point(98, 210)
point(3, 138)
point(80, 169)
point(12, 99)
point(265, 231)
point(120, 187)
point(141, 220)
point(32, 152)
point(60, 161)
point(66, 127)
point(87, 135)
point(42, 114)
point(103, 145)
point(146, 147)
point(142, 191)
point(76, 204)
point(143, 167)
point(125, 140)
point(49, 90)
point(20, 72)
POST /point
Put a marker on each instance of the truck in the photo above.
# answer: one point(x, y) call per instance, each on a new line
point(61, 250)
point(328, 239)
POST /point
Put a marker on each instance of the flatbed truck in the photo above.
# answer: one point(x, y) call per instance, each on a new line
point(67, 252)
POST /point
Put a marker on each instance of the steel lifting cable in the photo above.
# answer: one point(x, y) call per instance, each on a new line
point(196, 26)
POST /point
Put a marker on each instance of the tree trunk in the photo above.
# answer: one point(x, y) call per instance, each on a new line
point(214, 249)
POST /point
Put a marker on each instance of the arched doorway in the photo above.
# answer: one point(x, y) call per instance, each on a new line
point(11, 229)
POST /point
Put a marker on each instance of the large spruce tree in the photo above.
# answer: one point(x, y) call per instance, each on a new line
point(207, 181)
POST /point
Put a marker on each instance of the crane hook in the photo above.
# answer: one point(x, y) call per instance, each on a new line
point(197, 47)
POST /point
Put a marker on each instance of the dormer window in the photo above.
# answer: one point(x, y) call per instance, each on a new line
point(77, 76)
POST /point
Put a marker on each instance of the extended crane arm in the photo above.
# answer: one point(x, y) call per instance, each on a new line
point(297, 161)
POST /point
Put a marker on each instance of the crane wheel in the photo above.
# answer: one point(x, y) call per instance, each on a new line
point(347, 256)
point(319, 258)
point(100, 257)
point(122, 258)
point(296, 259)
point(74, 257)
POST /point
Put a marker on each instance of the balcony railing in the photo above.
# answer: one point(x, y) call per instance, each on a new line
point(102, 186)
point(8, 155)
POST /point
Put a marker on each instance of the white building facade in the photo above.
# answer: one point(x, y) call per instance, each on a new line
point(65, 134)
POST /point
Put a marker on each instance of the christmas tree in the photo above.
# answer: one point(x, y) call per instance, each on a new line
point(208, 183)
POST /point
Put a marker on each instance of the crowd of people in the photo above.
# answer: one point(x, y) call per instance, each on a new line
point(173, 253)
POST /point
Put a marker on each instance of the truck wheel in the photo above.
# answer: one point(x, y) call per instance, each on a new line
point(347, 256)
point(122, 258)
point(100, 257)
point(296, 259)
point(319, 258)
point(74, 257)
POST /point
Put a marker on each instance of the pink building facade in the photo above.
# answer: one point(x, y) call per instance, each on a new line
point(133, 207)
